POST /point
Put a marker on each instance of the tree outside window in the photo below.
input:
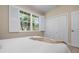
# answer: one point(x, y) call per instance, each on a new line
point(25, 21)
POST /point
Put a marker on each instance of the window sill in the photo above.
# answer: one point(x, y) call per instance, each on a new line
point(30, 31)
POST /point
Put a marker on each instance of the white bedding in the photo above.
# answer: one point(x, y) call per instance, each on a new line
point(27, 45)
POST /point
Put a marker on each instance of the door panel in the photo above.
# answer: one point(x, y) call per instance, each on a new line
point(75, 29)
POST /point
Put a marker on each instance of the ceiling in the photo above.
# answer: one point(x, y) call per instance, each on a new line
point(43, 8)
point(40, 8)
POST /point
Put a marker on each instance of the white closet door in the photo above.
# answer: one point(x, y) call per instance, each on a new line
point(48, 27)
point(54, 28)
point(57, 28)
point(51, 27)
point(75, 29)
point(14, 21)
point(63, 28)
point(41, 23)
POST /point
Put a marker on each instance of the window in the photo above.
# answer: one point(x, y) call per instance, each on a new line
point(22, 21)
point(35, 22)
point(25, 21)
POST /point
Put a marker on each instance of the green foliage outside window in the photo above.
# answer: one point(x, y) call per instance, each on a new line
point(35, 22)
point(25, 21)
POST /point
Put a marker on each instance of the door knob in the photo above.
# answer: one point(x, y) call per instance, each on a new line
point(72, 30)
